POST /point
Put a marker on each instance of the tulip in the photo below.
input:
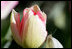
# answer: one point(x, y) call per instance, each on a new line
point(6, 7)
point(31, 31)
point(52, 42)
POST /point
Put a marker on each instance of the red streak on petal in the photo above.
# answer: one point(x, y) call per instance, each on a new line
point(21, 27)
point(40, 16)
point(18, 24)
point(34, 12)
point(17, 18)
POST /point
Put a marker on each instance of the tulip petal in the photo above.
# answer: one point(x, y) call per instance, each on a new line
point(6, 7)
point(52, 42)
point(40, 14)
point(57, 44)
point(14, 27)
point(36, 32)
point(36, 10)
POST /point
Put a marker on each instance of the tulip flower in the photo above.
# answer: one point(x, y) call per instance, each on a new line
point(52, 42)
point(31, 31)
point(6, 7)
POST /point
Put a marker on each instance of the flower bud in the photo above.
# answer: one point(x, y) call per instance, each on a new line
point(52, 42)
point(31, 31)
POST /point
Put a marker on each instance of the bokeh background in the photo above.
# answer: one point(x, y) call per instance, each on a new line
point(58, 20)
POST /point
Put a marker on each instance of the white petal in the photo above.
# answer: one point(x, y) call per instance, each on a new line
point(36, 33)
point(57, 44)
point(12, 16)
point(6, 7)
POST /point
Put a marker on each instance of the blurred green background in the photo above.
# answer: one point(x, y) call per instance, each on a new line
point(58, 22)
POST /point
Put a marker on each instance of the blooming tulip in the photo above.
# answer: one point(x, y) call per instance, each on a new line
point(31, 31)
